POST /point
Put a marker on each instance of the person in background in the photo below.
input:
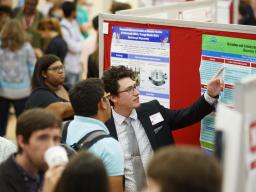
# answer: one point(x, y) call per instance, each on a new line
point(93, 61)
point(82, 17)
point(74, 39)
point(7, 3)
point(49, 90)
point(49, 28)
point(56, 10)
point(247, 15)
point(36, 131)
point(90, 45)
point(253, 6)
point(148, 126)
point(183, 168)
point(92, 110)
point(6, 149)
point(5, 15)
point(47, 5)
point(118, 6)
point(17, 60)
point(85, 172)
point(91, 48)
point(29, 17)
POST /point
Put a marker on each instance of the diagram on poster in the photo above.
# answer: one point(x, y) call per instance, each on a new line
point(238, 57)
point(147, 52)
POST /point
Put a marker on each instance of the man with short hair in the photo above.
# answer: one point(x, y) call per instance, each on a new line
point(36, 131)
point(183, 168)
point(151, 123)
point(92, 109)
point(73, 37)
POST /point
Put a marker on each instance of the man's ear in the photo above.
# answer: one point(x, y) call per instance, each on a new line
point(21, 142)
point(103, 104)
point(113, 99)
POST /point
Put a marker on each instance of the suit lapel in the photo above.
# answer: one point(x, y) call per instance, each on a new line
point(111, 127)
point(143, 116)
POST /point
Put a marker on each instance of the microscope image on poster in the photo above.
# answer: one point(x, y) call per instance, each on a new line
point(158, 77)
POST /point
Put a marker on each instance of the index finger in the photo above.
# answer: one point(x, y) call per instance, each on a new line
point(219, 72)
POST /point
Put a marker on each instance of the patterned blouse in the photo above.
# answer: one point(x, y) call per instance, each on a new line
point(16, 69)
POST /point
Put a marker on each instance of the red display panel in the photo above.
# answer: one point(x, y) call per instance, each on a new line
point(185, 56)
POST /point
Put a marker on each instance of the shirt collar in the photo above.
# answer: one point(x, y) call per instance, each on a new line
point(27, 176)
point(100, 125)
point(120, 118)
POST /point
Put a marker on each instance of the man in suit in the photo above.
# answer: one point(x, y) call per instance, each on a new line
point(152, 123)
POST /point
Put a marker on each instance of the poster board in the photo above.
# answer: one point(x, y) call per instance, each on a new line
point(245, 94)
point(185, 56)
point(200, 10)
point(238, 138)
point(229, 123)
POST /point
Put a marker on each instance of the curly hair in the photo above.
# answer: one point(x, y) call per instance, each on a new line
point(115, 73)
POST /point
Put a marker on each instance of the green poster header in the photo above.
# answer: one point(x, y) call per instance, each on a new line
point(229, 45)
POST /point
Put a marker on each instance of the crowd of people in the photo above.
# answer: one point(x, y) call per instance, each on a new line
point(134, 150)
point(57, 27)
point(120, 157)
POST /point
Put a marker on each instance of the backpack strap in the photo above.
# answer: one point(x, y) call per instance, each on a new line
point(88, 140)
point(65, 132)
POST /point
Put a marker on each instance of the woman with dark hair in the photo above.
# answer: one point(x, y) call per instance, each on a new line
point(85, 172)
point(17, 60)
point(48, 87)
point(93, 60)
point(49, 28)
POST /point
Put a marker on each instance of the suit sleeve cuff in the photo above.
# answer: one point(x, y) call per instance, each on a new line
point(209, 99)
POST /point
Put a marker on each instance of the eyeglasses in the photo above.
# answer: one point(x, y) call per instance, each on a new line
point(131, 89)
point(106, 95)
point(57, 69)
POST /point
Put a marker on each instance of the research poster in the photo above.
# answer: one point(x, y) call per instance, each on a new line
point(147, 52)
point(238, 57)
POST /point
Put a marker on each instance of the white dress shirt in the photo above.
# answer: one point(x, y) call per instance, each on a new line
point(146, 151)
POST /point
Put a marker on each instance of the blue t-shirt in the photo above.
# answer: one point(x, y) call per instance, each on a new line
point(107, 149)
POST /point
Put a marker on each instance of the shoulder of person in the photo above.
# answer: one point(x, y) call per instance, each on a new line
point(149, 104)
point(6, 167)
point(67, 86)
point(40, 90)
point(108, 146)
point(111, 153)
point(27, 45)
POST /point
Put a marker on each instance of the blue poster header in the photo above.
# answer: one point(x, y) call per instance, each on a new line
point(141, 34)
point(229, 56)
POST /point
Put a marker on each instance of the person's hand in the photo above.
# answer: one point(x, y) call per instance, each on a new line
point(38, 52)
point(216, 84)
point(86, 26)
point(52, 176)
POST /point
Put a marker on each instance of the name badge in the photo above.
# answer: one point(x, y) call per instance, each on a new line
point(156, 118)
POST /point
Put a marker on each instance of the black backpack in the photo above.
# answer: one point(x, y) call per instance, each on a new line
point(86, 142)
